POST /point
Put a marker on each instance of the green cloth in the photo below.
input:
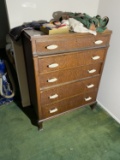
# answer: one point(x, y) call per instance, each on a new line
point(87, 20)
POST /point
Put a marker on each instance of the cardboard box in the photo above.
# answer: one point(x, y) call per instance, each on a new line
point(55, 30)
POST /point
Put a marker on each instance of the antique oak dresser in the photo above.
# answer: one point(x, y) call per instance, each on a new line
point(63, 70)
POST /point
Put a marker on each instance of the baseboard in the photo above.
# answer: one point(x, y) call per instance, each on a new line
point(112, 115)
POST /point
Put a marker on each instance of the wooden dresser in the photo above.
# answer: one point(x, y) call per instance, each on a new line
point(63, 70)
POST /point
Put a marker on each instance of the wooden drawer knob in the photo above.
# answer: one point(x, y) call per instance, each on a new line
point(53, 96)
point(52, 80)
point(88, 99)
point(51, 47)
point(90, 86)
point(53, 110)
point(96, 57)
point(98, 42)
point(92, 71)
point(54, 65)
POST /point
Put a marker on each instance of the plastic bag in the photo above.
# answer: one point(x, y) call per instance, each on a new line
point(6, 88)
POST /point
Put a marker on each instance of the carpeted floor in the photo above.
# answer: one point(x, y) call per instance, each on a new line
point(79, 135)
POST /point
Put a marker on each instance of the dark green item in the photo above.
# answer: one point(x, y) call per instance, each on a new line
point(87, 21)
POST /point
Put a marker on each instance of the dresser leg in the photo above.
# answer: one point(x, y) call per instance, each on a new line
point(40, 126)
point(92, 106)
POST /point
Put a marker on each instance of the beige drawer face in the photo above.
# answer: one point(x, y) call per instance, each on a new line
point(61, 106)
point(95, 56)
point(54, 78)
point(61, 92)
point(69, 43)
point(53, 63)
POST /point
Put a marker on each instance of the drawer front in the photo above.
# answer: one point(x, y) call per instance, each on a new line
point(95, 56)
point(55, 78)
point(68, 104)
point(92, 70)
point(64, 61)
point(50, 45)
point(62, 106)
point(91, 84)
point(89, 97)
point(61, 92)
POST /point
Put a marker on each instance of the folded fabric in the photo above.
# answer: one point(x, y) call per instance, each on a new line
point(77, 26)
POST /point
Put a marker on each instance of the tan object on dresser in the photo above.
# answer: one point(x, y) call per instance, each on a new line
point(63, 70)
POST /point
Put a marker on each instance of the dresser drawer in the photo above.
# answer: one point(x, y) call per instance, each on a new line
point(62, 61)
point(54, 78)
point(89, 97)
point(91, 84)
point(91, 70)
point(58, 93)
point(62, 106)
point(95, 56)
point(66, 43)
point(61, 92)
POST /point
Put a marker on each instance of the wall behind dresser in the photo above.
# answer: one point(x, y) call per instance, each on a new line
point(109, 93)
point(26, 11)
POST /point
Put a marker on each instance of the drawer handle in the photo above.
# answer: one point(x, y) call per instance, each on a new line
point(53, 96)
point(52, 80)
point(53, 110)
point(51, 47)
point(98, 42)
point(88, 99)
point(54, 65)
point(92, 71)
point(90, 86)
point(96, 57)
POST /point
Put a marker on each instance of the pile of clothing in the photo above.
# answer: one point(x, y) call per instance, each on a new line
point(83, 23)
point(77, 22)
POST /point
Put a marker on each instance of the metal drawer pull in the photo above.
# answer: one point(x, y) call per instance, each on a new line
point(92, 71)
point(53, 96)
point(52, 80)
point(53, 110)
point(90, 86)
point(54, 65)
point(98, 42)
point(53, 46)
point(96, 57)
point(88, 99)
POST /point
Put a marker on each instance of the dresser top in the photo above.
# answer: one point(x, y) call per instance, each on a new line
point(34, 34)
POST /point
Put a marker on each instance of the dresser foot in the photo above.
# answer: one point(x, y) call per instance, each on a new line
point(92, 106)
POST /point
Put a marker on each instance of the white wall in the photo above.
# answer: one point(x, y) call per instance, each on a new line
point(109, 93)
point(31, 10)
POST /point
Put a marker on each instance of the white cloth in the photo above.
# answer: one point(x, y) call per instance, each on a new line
point(77, 26)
